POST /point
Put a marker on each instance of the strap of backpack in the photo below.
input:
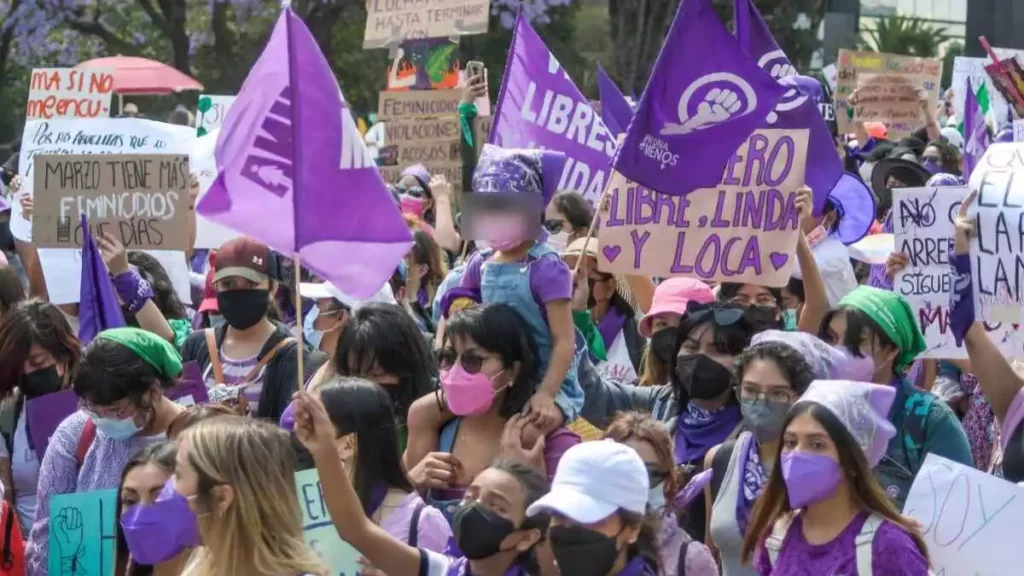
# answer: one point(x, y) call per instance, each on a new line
point(85, 442)
point(7, 559)
point(865, 539)
point(719, 466)
point(774, 541)
point(414, 525)
point(681, 568)
point(211, 347)
point(266, 358)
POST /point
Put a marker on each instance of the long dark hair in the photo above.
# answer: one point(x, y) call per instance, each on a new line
point(360, 407)
point(110, 372)
point(166, 299)
point(498, 328)
point(385, 335)
point(34, 322)
point(161, 455)
point(11, 289)
point(728, 338)
point(858, 325)
point(774, 501)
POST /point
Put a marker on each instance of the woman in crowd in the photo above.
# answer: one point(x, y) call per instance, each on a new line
point(326, 320)
point(822, 511)
point(164, 295)
point(367, 442)
point(251, 360)
point(11, 289)
point(491, 526)
point(155, 531)
point(382, 344)
point(38, 356)
point(600, 521)
point(429, 198)
point(193, 414)
point(567, 219)
point(678, 552)
point(660, 325)
point(238, 477)
point(488, 375)
point(426, 268)
point(771, 374)
point(120, 384)
point(881, 326)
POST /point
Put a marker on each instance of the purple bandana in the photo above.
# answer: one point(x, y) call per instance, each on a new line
point(515, 171)
point(697, 431)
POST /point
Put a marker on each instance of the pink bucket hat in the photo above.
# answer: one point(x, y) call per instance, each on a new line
point(862, 408)
point(671, 297)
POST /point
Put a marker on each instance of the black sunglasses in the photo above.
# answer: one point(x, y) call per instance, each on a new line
point(656, 475)
point(413, 191)
point(470, 362)
point(721, 316)
point(554, 226)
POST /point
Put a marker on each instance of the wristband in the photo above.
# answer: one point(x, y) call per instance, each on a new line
point(133, 289)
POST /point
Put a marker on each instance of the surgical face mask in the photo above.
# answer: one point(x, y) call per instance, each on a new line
point(467, 394)
point(931, 166)
point(117, 429)
point(764, 418)
point(413, 206)
point(809, 477)
point(789, 320)
point(160, 531)
point(309, 332)
point(558, 242)
point(656, 496)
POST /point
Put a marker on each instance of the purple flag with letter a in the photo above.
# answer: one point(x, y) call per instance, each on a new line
point(294, 173)
point(540, 107)
point(705, 97)
point(798, 107)
point(98, 308)
point(615, 110)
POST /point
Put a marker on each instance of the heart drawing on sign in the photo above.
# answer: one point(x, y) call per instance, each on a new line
point(779, 259)
point(611, 252)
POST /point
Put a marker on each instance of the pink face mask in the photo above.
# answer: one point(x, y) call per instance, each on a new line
point(411, 205)
point(504, 232)
point(467, 394)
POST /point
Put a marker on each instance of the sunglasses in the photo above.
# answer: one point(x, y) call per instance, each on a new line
point(555, 226)
point(412, 191)
point(471, 363)
point(656, 475)
point(721, 316)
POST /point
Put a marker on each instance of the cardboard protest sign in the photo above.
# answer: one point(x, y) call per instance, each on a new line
point(969, 518)
point(62, 268)
point(1008, 78)
point(887, 86)
point(1018, 130)
point(745, 230)
point(481, 130)
point(418, 103)
point(141, 199)
point(212, 110)
point(83, 534)
point(319, 531)
point(392, 21)
point(997, 250)
point(421, 141)
point(431, 64)
point(69, 93)
point(922, 220)
point(967, 68)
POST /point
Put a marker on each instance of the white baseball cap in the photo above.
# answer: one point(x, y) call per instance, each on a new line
point(324, 290)
point(593, 481)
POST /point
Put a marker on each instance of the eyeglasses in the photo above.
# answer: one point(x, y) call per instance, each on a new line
point(555, 226)
point(412, 191)
point(471, 363)
point(656, 475)
point(115, 412)
point(750, 395)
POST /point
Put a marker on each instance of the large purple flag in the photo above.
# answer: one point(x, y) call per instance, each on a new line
point(540, 107)
point(799, 107)
point(705, 97)
point(615, 110)
point(99, 307)
point(295, 174)
point(975, 132)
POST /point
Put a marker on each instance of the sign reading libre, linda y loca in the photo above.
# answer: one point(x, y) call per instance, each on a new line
point(745, 230)
point(140, 199)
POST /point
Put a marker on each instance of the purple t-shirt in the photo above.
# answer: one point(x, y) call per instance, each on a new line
point(1014, 417)
point(893, 553)
point(550, 278)
point(433, 530)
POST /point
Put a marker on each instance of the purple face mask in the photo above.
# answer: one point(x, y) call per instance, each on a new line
point(160, 531)
point(809, 477)
point(858, 369)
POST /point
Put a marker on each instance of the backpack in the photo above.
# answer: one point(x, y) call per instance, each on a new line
point(865, 539)
point(12, 557)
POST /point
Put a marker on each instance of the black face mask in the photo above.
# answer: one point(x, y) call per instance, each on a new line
point(479, 532)
point(701, 377)
point(41, 382)
point(243, 309)
point(582, 552)
point(763, 317)
point(663, 344)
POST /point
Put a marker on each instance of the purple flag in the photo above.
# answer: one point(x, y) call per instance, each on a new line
point(705, 97)
point(799, 107)
point(540, 107)
point(975, 132)
point(99, 307)
point(615, 110)
point(295, 174)
point(45, 413)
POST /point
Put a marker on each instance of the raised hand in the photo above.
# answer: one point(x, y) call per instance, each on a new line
point(113, 252)
point(718, 105)
point(963, 226)
point(781, 70)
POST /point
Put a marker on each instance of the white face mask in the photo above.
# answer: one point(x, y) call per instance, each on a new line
point(558, 242)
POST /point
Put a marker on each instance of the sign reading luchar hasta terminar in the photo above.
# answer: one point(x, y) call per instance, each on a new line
point(140, 199)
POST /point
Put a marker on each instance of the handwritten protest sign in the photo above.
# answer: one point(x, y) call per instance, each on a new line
point(82, 533)
point(62, 268)
point(421, 141)
point(969, 518)
point(745, 230)
point(319, 531)
point(69, 93)
point(1018, 130)
point(391, 21)
point(887, 86)
point(997, 250)
point(212, 110)
point(411, 104)
point(966, 68)
point(141, 199)
point(923, 227)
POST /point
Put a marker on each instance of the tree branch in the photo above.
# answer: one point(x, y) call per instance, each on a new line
point(96, 28)
point(158, 19)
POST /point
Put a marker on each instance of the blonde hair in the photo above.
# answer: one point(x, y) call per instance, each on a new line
point(260, 533)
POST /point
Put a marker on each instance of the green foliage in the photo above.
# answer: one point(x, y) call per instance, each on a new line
point(902, 35)
point(438, 63)
point(953, 50)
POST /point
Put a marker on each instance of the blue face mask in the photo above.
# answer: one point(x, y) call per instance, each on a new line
point(117, 429)
point(311, 334)
point(789, 320)
point(656, 496)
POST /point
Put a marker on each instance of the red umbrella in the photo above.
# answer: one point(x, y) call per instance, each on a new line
point(142, 76)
